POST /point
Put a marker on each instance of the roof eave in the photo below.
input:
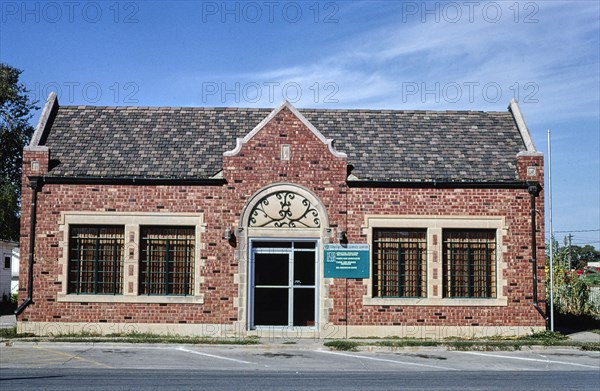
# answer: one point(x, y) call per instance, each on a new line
point(442, 184)
point(515, 110)
point(140, 181)
point(45, 123)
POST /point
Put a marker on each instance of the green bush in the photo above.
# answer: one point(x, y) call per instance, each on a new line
point(8, 333)
point(592, 279)
point(546, 337)
point(571, 292)
point(591, 346)
point(342, 344)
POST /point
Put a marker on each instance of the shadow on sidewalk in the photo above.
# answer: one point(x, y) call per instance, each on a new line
point(571, 324)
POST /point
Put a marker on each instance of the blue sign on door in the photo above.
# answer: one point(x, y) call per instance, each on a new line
point(347, 261)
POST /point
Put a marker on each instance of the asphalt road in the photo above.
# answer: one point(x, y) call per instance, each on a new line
point(54, 366)
point(99, 379)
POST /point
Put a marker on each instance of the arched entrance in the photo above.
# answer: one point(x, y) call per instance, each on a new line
point(284, 227)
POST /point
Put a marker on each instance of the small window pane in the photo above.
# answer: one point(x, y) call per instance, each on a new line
point(305, 244)
point(271, 306)
point(271, 244)
point(304, 307)
point(271, 269)
point(304, 268)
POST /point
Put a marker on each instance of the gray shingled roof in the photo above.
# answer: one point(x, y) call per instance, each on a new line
point(170, 142)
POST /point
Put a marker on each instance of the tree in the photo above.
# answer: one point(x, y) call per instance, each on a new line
point(571, 290)
point(15, 132)
point(574, 256)
point(580, 256)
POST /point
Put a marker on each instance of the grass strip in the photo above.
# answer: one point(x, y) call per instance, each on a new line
point(128, 338)
point(343, 345)
point(544, 338)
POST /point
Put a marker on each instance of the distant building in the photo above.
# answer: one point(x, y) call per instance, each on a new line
point(14, 283)
point(9, 262)
point(234, 221)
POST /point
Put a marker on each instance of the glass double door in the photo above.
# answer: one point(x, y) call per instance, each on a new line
point(283, 283)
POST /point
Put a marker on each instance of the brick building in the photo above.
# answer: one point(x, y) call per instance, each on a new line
point(217, 221)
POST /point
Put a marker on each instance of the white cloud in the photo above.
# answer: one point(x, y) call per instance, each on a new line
point(549, 61)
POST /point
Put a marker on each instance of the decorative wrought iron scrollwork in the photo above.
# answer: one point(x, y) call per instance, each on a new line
point(285, 209)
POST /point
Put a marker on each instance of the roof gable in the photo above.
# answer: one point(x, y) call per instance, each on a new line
point(327, 141)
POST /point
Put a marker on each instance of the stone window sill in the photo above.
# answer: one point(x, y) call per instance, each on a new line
point(439, 302)
point(130, 299)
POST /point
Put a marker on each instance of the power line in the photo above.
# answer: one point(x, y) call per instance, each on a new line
point(577, 230)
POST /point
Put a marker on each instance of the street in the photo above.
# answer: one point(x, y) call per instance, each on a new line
point(121, 379)
point(54, 366)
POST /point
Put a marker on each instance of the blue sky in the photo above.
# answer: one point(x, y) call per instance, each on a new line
point(386, 55)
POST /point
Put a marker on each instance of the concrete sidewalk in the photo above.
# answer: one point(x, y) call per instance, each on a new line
point(585, 336)
point(7, 321)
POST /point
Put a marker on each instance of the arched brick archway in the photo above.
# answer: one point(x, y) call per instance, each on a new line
point(284, 223)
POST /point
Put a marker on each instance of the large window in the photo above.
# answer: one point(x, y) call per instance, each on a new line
point(96, 259)
point(167, 260)
point(399, 263)
point(469, 263)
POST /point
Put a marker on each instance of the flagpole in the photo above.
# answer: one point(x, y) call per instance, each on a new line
point(551, 235)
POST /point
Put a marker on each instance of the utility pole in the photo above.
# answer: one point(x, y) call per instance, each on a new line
point(568, 239)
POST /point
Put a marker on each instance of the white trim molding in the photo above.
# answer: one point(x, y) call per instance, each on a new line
point(514, 108)
point(50, 105)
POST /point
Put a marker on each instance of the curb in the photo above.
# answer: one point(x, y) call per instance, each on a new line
point(483, 346)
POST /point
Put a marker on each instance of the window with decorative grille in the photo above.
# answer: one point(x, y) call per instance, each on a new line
point(96, 256)
point(399, 263)
point(469, 263)
point(167, 260)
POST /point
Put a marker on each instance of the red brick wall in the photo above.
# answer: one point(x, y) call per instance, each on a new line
point(218, 287)
point(513, 204)
point(257, 165)
point(41, 157)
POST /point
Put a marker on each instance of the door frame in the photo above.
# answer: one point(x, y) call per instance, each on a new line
point(290, 251)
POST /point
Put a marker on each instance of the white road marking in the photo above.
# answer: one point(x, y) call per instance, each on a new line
point(182, 349)
point(529, 359)
point(385, 360)
point(71, 356)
